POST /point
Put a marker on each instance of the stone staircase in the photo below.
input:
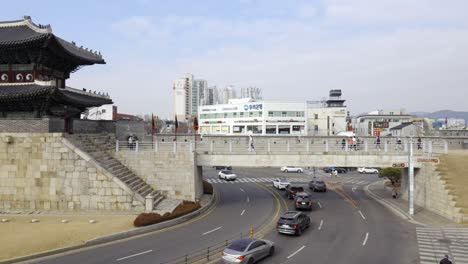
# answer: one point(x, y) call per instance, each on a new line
point(100, 148)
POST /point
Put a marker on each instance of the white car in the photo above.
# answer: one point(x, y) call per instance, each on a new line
point(367, 170)
point(227, 175)
point(292, 169)
point(280, 184)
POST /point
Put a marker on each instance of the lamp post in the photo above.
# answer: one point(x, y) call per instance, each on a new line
point(411, 177)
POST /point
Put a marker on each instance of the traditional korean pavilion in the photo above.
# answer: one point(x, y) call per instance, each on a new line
point(34, 67)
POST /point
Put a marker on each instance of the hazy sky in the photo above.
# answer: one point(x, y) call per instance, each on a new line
point(383, 54)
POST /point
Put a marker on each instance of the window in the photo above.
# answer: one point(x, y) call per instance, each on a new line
point(4, 67)
point(255, 129)
point(241, 114)
point(315, 127)
point(291, 114)
point(299, 114)
point(270, 114)
point(251, 114)
point(225, 115)
point(238, 129)
point(316, 116)
point(270, 129)
point(283, 114)
point(103, 111)
point(282, 129)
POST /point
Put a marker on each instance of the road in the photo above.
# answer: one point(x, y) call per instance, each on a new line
point(347, 226)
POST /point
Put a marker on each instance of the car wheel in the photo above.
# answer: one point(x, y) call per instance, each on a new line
point(272, 251)
point(299, 231)
point(251, 261)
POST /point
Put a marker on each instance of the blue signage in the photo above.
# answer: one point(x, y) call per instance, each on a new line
point(253, 107)
point(246, 107)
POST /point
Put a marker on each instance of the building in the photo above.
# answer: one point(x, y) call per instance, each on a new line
point(327, 117)
point(188, 95)
point(246, 116)
point(212, 96)
point(229, 93)
point(252, 92)
point(408, 129)
point(378, 123)
point(34, 67)
point(462, 132)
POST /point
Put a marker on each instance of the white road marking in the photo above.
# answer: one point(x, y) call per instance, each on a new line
point(242, 190)
point(134, 255)
point(295, 252)
point(362, 215)
point(365, 239)
point(243, 211)
point(211, 231)
point(320, 205)
point(320, 226)
point(354, 189)
point(248, 199)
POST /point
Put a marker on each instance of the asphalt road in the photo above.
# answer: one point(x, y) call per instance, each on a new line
point(347, 227)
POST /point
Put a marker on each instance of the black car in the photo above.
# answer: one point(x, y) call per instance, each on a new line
point(292, 222)
point(316, 185)
point(222, 167)
point(291, 191)
point(303, 201)
point(338, 169)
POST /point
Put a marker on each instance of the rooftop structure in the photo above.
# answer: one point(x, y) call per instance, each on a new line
point(34, 67)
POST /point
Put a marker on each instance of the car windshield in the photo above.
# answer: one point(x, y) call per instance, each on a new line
point(240, 245)
point(297, 189)
point(319, 182)
point(286, 220)
point(227, 172)
point(303, 196)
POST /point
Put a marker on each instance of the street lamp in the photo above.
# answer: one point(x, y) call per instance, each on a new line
point(411, 177)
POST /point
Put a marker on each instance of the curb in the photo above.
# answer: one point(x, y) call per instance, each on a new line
point(393, 208)
point(117, 236)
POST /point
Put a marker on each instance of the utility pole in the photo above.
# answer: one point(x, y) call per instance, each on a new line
point(411, 178)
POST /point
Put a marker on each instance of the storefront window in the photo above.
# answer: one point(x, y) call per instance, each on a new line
point(238, 129)
point(282, 129)
point(297, 129)
point(270, 129)
point(255, 129)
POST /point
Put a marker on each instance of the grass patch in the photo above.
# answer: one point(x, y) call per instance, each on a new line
point(184, 208)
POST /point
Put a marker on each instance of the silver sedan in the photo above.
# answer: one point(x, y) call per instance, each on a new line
point(248, 250)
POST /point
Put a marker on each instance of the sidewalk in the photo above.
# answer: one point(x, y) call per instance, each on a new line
point(399, 206)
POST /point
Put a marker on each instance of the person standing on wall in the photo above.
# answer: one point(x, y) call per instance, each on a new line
point(377, 143)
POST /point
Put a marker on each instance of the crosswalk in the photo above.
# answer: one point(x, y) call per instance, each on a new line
point(434, 242)
point(355, 181)
point(250, 180)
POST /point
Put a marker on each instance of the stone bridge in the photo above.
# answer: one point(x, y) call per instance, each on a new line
point(266, 151)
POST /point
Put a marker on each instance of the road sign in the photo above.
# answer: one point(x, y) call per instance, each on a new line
point(400, 165)
point(428, 160)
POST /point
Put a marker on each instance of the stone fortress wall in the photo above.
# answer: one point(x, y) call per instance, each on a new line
point(43, 171)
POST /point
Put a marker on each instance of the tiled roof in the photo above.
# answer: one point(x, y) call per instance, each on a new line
point(23, 32)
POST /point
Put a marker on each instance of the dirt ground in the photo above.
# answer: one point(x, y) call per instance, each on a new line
point(20, 237)
point(454, 170)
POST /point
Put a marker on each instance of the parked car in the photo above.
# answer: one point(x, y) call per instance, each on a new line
point(291, 169)
point(227, 175)
point(248, 250)
point(222, 167)
point(303, 201)
point(367, 170)
point(292, 222)
point(338, 169)
point(291, 191)
point(316, 185)
point(280, 184)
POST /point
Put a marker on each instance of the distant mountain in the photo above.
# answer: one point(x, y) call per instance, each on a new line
point(443, 114)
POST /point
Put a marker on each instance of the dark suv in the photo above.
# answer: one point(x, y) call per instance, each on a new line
point(293, 223)
point(316, 185)
point(291, 191)
point(338, 169)
point(303, 201)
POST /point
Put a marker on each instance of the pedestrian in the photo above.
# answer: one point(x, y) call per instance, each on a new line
point(377, 143)
point(343, 143)
point(350, 143)
point(445, 260)
point(135, 141)
point(394, 193)
point(358, 143)
point(419, 143)
point(251, 144)
point(398, 146)
point(130, 142)
point(354, 142)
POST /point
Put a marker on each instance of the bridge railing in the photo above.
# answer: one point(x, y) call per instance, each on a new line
point(288, 145)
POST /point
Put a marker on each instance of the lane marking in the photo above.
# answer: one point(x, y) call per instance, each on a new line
point(248, 199)
point(242, 190)
point(243, 211)
point(365, 239)
point(134, 255)
point(295, 252)
point(362, 215)
point(354, 189)
point(319, 205)
point(211, 231)
point(321, 223)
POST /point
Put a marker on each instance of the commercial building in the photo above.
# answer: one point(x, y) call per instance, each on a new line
point(247, 116)
point(379, 123)
point(188, 95)
point(327, 117)
point(409, 129)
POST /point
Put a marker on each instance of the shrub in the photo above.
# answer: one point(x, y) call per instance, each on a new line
point(184, 208)
point(207, 188)
point(393, 174)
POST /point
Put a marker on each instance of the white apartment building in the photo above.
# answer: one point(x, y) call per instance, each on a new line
point(188, 95)
point(250, 117)
point(327, 117)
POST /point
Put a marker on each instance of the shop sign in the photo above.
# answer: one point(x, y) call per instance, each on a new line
point(253, 107)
